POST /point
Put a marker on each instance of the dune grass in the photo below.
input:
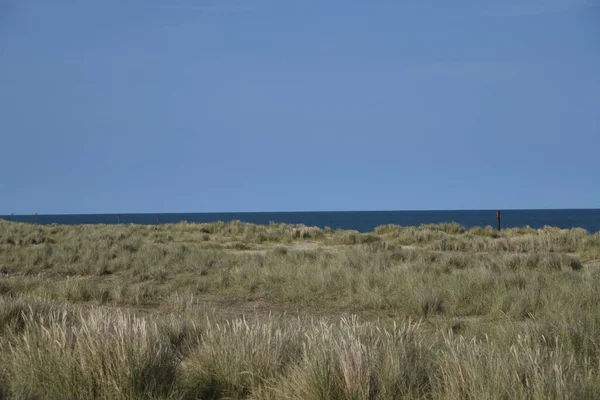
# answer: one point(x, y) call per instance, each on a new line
point(235, 310)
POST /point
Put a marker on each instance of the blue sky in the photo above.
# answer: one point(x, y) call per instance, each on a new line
point(255, 105)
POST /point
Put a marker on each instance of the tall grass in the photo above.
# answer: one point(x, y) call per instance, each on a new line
point(102, 353)
point(97, 354)
point(289, 312)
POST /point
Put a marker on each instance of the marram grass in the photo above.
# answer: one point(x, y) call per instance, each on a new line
point(237, 310)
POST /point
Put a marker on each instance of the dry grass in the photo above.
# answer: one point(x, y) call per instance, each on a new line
point(289, 312)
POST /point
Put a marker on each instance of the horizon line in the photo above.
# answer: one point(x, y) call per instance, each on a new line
point(308, 211)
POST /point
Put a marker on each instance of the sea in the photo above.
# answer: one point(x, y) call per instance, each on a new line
point(363, 221)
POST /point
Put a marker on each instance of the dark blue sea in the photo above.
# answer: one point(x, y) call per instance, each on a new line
point(364, 221)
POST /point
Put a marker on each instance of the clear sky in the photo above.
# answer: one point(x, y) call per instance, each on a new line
point(283, 105)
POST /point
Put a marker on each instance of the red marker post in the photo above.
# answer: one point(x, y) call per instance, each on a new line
point(498, 215)
point(118, 218)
